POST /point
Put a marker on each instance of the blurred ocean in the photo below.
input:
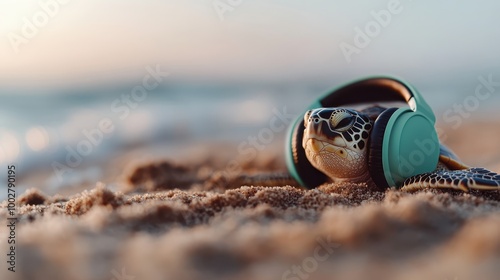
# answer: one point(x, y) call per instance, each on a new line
point(37, 129)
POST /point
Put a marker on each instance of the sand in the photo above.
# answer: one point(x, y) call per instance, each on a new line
point(190, 218)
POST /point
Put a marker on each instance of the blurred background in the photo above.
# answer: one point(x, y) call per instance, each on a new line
point(66, 66)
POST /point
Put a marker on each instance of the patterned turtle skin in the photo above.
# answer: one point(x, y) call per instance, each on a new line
point(336, 142)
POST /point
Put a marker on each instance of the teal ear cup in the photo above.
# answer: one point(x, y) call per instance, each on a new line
point(403, 143)
point(409, 147)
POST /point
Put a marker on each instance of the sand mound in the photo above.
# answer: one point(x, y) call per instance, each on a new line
point(181, 222)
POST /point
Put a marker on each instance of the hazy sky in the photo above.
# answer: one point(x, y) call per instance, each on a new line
point(93, 41)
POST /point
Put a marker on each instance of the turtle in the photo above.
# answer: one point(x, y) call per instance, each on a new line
point(336, 142)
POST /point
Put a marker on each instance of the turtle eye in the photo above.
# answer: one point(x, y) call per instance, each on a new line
point(342, 121)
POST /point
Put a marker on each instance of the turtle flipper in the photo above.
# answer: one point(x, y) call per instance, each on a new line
point(473, 178)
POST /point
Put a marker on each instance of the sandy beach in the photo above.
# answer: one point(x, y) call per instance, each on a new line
point(191, 219)
point(146, 139)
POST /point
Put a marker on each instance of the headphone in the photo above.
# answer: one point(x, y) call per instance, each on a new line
point(403, 141)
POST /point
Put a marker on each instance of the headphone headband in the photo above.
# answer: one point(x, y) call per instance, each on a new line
point(376, 89)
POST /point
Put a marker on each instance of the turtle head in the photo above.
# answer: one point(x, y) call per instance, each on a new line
point(335, 141)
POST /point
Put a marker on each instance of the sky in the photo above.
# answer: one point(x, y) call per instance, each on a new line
point(92, 42)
